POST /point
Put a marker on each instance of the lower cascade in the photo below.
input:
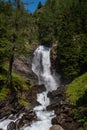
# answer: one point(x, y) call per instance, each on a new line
point(41, 67)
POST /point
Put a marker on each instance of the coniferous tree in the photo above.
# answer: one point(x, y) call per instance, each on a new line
point(39, 5)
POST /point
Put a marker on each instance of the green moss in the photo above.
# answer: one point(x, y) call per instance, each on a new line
point(4, 92)
point(77, 94)
point(24, 102)
point(21, 82)
point(76, 91)
point(2, 80)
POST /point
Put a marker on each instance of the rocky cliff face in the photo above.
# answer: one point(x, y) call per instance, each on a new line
point(23, 66)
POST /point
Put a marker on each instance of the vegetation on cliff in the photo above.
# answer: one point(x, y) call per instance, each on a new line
point(76, 90)
point(66, 23)
point(16, 34)
point(77, 94)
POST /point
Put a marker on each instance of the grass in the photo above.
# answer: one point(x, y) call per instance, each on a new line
point(24, 102)
point(20, 84)
point(76, 91)
point(4, 92)
point(77, 94)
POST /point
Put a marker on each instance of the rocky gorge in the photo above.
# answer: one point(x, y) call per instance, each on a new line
point(21, 115)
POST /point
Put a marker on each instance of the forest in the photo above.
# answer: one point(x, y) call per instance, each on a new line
point(59, 24)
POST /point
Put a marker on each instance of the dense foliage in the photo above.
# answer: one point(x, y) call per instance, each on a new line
point(17, 30)
point(66, 22)
point(61, 22)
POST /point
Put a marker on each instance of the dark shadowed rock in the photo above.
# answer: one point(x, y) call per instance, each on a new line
point(39, 88)
point(27, 119)
point(32, 95)
point(11, 126)
point(57, 98)
point(19, 123)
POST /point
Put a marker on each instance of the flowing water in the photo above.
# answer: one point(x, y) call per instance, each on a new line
point(41, 67)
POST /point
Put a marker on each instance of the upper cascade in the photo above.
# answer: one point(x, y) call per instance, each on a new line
point(41, 67)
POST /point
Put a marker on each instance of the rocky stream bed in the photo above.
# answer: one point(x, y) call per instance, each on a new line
point(11, 109)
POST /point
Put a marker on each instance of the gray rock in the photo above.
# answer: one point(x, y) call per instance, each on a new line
point(22, 66)
point(56, 127)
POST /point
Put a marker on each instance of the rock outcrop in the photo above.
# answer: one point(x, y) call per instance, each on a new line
point(63, 109)
point(23, 67)
point(25, 119)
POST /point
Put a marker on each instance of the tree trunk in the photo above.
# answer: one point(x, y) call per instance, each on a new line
point(9, 77)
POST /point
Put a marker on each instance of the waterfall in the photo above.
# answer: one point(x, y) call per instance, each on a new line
point(41, 67)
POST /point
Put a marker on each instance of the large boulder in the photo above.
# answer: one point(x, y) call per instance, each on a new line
point(56, 127)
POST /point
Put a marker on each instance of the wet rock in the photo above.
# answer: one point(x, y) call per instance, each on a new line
point(32, 96)
point(11, 126)
point(19, 124)
point(53, 106)
point(39, 88)
point(56, 127)
point(29, 117)
point(57, 98)
point(57, 95)
point(54, 121)
point(5, 112)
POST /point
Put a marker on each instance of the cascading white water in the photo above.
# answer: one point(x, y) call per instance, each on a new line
point(41, 67)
